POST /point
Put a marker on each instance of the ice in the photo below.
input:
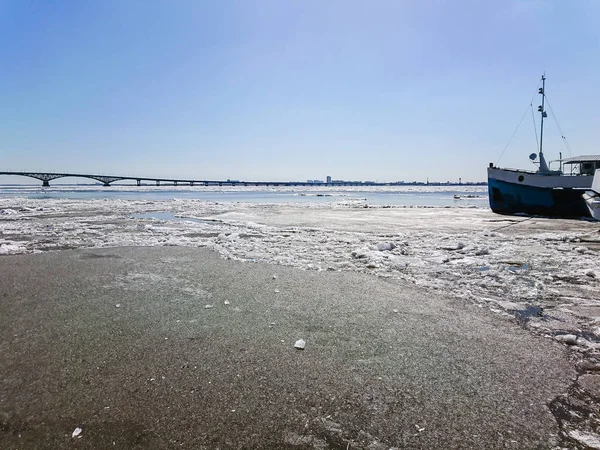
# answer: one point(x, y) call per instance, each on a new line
point(9, 248)
point(470, 254)
point(300, 344)
point(385, 246)
point(590, 440)
point(569, 339)
point(77, 432)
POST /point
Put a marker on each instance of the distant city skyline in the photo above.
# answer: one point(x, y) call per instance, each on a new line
point(265, 90)
point(47, 179)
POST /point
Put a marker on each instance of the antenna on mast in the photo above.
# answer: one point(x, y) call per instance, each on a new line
point(542, 92)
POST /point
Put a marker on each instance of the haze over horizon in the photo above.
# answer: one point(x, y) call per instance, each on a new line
point(269, 90)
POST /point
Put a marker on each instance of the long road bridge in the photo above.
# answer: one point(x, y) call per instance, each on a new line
point(46, 177)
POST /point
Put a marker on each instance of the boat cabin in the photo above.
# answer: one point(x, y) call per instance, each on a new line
point(582, 165)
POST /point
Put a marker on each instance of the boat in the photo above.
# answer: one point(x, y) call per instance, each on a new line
point(592, 197)
point(545, 192)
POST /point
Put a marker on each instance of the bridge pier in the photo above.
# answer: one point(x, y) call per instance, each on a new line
point(174, 183)
point(191, 183)
point(45, 183)
point(139, 182)
point(157, 183)
point(106, 184)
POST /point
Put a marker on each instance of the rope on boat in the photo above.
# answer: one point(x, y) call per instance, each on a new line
point(517, 129)
point(567, 146)
point(514, 223)
point(537, 142)
point(513, 135)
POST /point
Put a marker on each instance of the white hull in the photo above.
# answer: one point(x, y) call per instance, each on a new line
point(535, 179)
point(592, 198)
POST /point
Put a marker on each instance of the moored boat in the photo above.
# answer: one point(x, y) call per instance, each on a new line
point(592, 197)
point(544, 192)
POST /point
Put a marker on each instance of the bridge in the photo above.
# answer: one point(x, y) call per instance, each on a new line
point(106, 180)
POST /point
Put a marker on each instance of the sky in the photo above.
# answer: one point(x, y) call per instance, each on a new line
point(273, 90)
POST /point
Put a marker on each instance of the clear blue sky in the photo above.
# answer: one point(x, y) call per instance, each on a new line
point(292, 89)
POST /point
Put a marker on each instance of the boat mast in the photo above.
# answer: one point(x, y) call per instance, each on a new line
point(542, 91)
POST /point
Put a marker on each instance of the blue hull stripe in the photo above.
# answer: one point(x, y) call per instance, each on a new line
point(511, 198)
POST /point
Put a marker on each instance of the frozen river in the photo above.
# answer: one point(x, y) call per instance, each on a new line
point(544, 272)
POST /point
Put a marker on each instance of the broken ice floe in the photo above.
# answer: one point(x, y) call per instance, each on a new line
point(449, 250)
point(590, 440)
point(569, 339)
point(385, 246)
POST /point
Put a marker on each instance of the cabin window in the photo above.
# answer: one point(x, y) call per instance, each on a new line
point(587, 168)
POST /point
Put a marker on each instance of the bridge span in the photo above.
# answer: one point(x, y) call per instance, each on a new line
point(106, 180)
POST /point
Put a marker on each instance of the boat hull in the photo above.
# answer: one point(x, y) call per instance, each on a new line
point(507, 197)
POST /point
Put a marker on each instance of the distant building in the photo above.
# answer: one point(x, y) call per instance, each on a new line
point(328, 179)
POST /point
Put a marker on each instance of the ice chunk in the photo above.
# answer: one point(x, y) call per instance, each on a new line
point(226, 302)
point(569, 339)
point(590, 440)
point(76, 432)
point(208, 306)
point(385, 246)
point(300, 344)
point(360, 253)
